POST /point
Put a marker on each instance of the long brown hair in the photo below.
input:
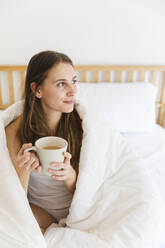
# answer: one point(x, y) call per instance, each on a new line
point(34, 123)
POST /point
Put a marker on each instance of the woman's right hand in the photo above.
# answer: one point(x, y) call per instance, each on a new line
point(28, 160)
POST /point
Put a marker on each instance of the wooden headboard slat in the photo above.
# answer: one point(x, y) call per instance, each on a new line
point(131, 75)
point(84, 76)
point(119, 76)
point(13, 68)
point(120, 68)
point(154, 77)
point(0, 94)
point(22, 76)
point(11, 86)
point(161, 117)
point(142, 76)
point(107, 76)
point(96, 67)
point(96, 76)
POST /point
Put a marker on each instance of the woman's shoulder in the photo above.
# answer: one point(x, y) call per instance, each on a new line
point(12, 131)
point(13, 127)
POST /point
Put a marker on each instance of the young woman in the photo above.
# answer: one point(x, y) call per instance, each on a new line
point(50, 90)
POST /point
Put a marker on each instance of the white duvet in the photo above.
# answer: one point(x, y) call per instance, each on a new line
point(116, 203)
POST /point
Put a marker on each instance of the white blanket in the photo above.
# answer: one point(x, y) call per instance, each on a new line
point(116, 203)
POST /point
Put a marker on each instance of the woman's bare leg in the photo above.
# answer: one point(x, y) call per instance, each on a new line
point(43, 218)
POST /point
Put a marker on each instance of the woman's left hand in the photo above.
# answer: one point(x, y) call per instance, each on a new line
point(64, 172)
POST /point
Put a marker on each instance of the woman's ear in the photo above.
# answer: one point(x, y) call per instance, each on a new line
point(37, 91)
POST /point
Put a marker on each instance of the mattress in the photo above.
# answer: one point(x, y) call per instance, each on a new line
point(151, 147)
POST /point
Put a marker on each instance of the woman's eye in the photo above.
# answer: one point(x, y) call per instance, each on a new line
point(74, 81)
point(60, 84)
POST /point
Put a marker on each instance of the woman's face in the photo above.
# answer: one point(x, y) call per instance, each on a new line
point(57, 93)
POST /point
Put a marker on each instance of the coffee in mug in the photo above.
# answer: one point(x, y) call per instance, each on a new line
point(49, 149)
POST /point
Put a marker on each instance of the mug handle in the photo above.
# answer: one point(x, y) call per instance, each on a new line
point(33, 148)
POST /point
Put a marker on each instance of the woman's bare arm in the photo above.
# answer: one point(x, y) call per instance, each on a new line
point(14, 146)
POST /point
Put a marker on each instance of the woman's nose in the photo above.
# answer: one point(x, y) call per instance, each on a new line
point(72, 90)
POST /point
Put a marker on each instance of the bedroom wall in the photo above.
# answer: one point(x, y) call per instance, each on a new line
point(91, 32)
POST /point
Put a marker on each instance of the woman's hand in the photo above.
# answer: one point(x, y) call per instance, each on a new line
point(64, 172)
point(27, 161)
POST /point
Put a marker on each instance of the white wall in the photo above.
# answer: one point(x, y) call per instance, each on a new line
point(89, 31)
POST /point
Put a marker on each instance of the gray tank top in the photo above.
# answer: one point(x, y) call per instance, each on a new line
point(49, 194)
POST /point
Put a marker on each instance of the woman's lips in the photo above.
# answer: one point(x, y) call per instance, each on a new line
point(69, 102)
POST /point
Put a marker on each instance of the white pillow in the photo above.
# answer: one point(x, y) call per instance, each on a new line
point(130, 106)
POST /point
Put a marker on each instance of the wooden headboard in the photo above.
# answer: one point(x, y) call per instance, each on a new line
point(99, 73)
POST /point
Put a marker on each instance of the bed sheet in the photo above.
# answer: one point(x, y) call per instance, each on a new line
point(151, 147)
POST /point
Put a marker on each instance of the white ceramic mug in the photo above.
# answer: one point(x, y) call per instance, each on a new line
point(46, 155)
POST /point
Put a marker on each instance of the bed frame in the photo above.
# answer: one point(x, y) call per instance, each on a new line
point(99, 73)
